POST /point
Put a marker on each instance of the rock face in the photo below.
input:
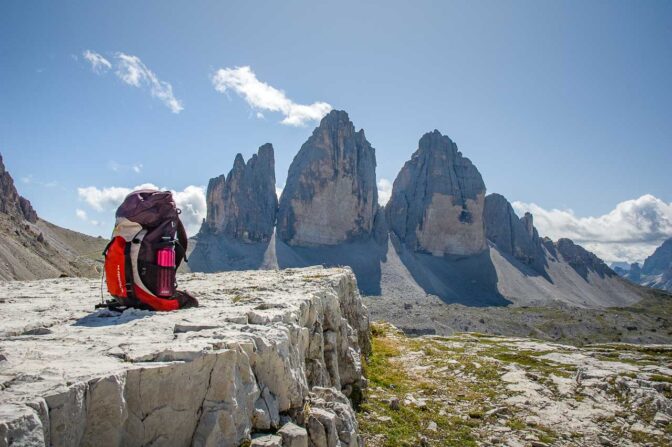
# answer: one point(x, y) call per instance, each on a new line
point(437, 200)
point(11, 202)
point(243, 204)
point(514, 236)
point(330, 196)
point(581, 259)
point(657, 269)
point(261, 346)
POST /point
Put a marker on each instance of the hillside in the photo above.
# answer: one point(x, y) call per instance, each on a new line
point(32, 248)
point(44, 250)
point(471, 390)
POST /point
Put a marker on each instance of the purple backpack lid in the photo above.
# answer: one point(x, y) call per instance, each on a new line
point(148, 207)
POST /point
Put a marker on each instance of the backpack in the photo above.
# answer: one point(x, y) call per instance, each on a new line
point(148, 245)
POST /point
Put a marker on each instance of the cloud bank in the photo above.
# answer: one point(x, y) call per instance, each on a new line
point(132, 71)
point(630, 232)
point(384, 191)
point(262, 97)
point(191, 200)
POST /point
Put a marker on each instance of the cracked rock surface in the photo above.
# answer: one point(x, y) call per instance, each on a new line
point(249, 361)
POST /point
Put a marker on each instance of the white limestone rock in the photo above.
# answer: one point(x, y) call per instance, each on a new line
point(204, 376)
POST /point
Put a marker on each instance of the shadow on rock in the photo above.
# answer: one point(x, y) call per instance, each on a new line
point(363, 258)
point(105, 317)
point(468, 280)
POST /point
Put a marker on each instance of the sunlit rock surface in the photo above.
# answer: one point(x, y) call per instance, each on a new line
point(437, 200)
point(261, 345)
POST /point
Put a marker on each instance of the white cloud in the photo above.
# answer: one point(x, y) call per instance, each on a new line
point(384, 191)
point(81, 214)
point(278, 191)
point(133, 71)
point(137, 168)
point(630, 232)
point(261, 96)
point(99, 64)
point(191, 200)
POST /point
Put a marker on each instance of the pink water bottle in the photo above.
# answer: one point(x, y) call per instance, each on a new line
point(165, 258)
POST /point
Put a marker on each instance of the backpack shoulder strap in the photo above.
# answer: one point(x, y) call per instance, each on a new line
point(182, 244)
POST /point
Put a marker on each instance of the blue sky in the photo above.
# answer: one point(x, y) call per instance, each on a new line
point(565, 106)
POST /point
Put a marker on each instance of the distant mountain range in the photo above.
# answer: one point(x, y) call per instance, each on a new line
point(656, 271)
point(439, 234)
point(32, 248)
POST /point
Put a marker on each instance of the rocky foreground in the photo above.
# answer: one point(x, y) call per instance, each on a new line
point(471, 389)
point(270, 357)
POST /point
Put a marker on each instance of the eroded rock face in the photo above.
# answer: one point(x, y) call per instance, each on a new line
point(437, 200)
point(512, 235)
point(10, 201)
point(330, 196)
point(261, 345)
point(243, 204)
point(581, 259)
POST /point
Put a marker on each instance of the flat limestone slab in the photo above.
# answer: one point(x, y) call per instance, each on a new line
point(259, 342)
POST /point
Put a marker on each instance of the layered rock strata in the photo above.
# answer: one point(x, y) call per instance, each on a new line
point(243, 204)
point(330, 196)
point(261, 345)
point(437, 200)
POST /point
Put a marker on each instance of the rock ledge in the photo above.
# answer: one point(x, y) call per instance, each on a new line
point(264, 350)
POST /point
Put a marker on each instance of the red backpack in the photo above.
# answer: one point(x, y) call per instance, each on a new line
point(148, 245)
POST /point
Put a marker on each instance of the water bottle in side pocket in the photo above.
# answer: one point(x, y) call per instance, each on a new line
point(165, 259)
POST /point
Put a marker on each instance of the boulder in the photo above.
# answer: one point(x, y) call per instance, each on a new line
point(293, 435)
point(267, 441)
point(437, 200)
point(330, 196)
point(243, 204)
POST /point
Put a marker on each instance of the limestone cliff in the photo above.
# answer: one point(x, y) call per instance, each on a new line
point(330, 196)
point(243, 204)
point(265, 351)
point(437, 200)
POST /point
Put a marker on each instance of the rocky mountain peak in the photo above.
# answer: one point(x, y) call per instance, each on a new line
point(581, 259)
point(437, 200)
point(330, 196)
point(514, 236)
point(10, 201)
point(243, 204)
point(660, 261)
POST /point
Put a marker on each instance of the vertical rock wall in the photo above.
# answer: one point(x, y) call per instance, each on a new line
point(437, 200)
point(330, 196)
point(243, 204)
